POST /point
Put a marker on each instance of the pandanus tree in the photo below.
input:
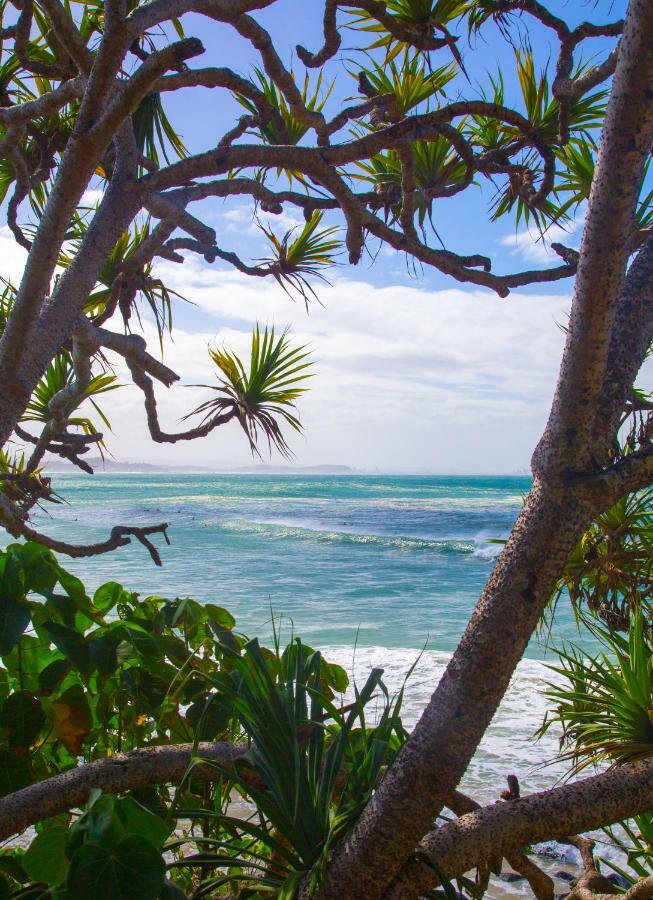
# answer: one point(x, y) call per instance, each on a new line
point(84, 104)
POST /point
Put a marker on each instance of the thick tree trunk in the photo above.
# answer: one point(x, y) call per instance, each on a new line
point(439, 750)
point(23, 362)
point(560, 506)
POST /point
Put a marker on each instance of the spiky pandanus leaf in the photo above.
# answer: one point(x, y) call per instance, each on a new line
point(155, 134)
point(261, 395)
point(542, 111)
point(437, 169)
point(410, 83)
point(141, 283)
point(609, 575)
point(424, 18)
point(311, 769)
point(59, 375)
point(25, 488)
point(605, 701)
point(301, 254)
point(314, 98)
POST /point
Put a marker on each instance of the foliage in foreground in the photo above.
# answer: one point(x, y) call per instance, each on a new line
point(602, 699)
point(85, 677)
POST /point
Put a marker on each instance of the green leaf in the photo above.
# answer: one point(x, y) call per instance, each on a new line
point(220, 617)
point(132, 870)
point(139, 821)
point(41, 567)
point(45, 859)
point(100, 824)
point(28, 658)
point(22, 715)
point(74, 588)
point(336, 677)
point(15, 772)
point(71, 643)
point(13, 585)
point(52, 676)
point(210, 717)
point(102, 654)
point(147, 691)
point(14, 619)
point(108, 595)
point(71, 719)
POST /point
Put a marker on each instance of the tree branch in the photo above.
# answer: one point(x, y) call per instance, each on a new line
point(113, 774)
point(584, 805)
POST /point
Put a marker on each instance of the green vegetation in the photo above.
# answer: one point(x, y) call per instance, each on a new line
point(84, 678)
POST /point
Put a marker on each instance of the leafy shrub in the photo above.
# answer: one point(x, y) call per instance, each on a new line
point(83, 678)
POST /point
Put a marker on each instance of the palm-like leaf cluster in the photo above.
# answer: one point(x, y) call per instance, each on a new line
point(52, 131)
point(300, 255)
point(293, 129)
point(409, 84)
point(261, 398)
point(422, 18)
point(155, 134)
point(22, 487)
point(610, 572)
point(604, 703)
point(59, 375)
point(120, 284)
point(542, 110)
point(311, 768)
point(438, 170)
point(635, 841)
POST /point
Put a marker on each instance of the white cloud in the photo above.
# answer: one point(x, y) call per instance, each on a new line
point(405, 378)
point(450, 380)
point(91, 197)
point(241, 219)
point(13, 256)
point(535, 248)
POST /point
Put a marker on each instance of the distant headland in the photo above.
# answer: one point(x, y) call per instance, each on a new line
point(56, 466)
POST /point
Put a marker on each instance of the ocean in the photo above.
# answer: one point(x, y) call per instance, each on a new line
point(374, 570)
point(389, 561)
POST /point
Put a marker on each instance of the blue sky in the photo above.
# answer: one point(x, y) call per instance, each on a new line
point(414, 371)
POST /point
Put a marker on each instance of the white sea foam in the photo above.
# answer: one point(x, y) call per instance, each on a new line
point(286, 528)
point(487, 546)
point(508, 747)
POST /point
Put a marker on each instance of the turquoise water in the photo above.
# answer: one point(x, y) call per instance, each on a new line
point(369, 568)
point(389, 561)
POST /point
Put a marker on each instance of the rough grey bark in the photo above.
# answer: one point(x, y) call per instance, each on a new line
point(557, 511)
point(507, 826)
point(114, 774)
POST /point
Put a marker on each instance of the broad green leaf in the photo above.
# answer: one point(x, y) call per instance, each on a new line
point(71, 643)
point(23, 718)
point(108, 595)
point(132, 870)
point(45, 859)
point(140, 821)
point(15, 772)
point(219, 616)
point(14, 619)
